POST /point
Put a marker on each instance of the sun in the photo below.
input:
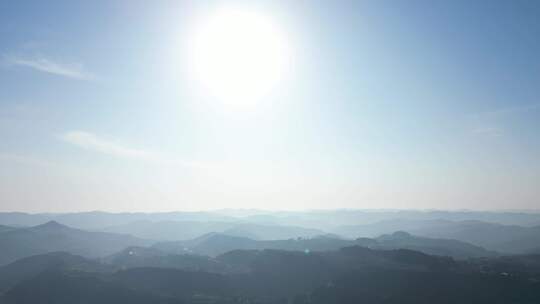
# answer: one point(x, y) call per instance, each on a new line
point(238, 56)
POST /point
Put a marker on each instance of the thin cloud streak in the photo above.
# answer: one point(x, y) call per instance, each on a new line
point(92, 142)
point(73, 71)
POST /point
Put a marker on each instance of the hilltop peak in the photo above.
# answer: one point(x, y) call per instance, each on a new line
point(51, 225)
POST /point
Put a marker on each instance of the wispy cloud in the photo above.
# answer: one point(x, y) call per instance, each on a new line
point(92, 142)
point(69, 70)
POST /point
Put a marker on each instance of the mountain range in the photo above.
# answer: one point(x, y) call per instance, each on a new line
point(505, 232)
point(511, 239)
point(52, 236)
point(185, 230)
point(242, 262)
point(349, 275)
point(214, 244)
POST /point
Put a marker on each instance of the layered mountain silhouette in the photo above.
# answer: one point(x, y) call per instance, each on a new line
point(349, 275)
point(98, 220)
point(214, 244)
point(272, 260)
point(52, 236)
point(185, 230)
point(507, 232)
point(503, 238)
point(326, 220)
point(436, 246)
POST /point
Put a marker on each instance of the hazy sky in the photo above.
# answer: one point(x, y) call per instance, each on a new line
point(382, 104)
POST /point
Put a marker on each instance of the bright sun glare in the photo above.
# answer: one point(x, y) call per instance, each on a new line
point(238, 56)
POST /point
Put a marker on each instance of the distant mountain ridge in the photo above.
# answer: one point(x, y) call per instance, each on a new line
point(214, 244)
point(282, 226)
point(100, 219)
point(435, 246)
point(326, 220)
point(185, 230)
point(509, 239)
point(52, 236)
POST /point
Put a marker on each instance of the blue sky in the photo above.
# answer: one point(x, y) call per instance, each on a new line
point(387, 104)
